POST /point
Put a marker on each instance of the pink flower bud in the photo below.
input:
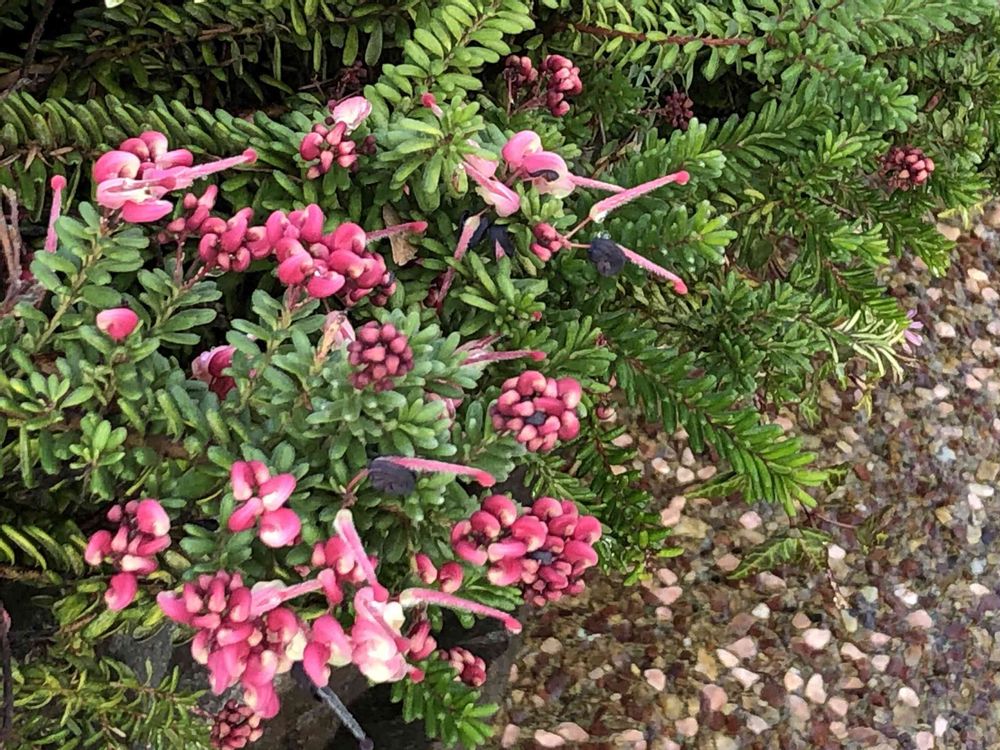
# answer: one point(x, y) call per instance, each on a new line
point(98, 546)
point(151, 518)
point(117, 322)
point(279, 528)
point(450, 577)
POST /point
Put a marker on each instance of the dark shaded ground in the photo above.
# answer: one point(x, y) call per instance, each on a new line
point(895, 644)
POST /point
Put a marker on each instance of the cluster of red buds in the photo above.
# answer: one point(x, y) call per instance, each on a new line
point(328, 143)
point(471, 668)
point(520, 72)
point(242, 637)
point(548, 241)
point(143, 531)
point(563, 80)
point(906, 167)
point(448, 577)
point(544, 551)
point(261, 498)
point(380, 355)
point(677, 109)
point(538, 410)
point(235, 726)
point(557, 79)
point(197, 209)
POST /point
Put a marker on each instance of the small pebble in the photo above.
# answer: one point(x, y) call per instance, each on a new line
point(744, 648)
point(548, 739)
point(908, 696)
point(924, 740)
point(756, 724)
point(815, 691)
point(510, 735)
point(551, 646)
point(572, 732)
point(745, 677)
point(728, 660)
point(687, 727)
point(817, 638)
point(838, 705)
point(761, 611)
point(715, 696)
point(793, 680)
point(801, 621)
point(656, 678)
point(920, 619)
point(750, 520)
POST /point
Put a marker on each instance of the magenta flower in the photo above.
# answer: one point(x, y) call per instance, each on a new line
point(328, 646)
point(117, 323)
point(143, 529)
point(449, 577)
point(262, 497)
point(135, 177)
point(58, 184)
point(210, 368)
point(548, 241)
point(538, 410)
point(503, 200)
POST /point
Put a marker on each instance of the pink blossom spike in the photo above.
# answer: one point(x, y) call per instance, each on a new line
point(414, 227)
point(484, 478)
point(412, 597)
point(343, 524)
point(647, 265)
point(587, 182)
point(58, 184)
point(601, 209)
point(479, 358)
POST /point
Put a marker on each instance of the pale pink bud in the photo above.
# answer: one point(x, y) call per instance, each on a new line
point(117, 323)
point(450, 577)
point(98, 546)
point(426, 570)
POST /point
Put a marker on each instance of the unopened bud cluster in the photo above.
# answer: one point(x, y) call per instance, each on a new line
point(538, 410)
point(380, 355)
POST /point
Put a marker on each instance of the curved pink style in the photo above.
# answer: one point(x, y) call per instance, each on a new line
point(58, 184)
point(117, 323)
point(601, 209)
point(413, 597)
point(647, 265)
point(484, 478)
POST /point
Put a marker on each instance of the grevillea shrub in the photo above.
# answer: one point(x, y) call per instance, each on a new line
point(292, 290)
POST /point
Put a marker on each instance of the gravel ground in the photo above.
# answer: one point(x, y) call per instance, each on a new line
point(893, 643)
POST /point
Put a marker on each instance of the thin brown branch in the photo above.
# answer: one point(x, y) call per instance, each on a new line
point(637, 36)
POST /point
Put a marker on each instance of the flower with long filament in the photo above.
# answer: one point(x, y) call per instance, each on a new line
point(504, 200)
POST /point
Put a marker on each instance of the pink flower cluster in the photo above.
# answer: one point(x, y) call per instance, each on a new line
point(380, 354)
point(143, 531)
point(261, 498)
point(136, 177)
point(562, 80)
point(232, 244)
point(243, 636)
point(538, 410)
point(235, 726)
point(544, 551)
point(520, 71)
point(209, 367)
point(327, 145)
point(471, 668)
point(375, 643)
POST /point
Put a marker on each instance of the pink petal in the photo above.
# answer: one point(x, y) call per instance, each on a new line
point(276, 490)
point(147, 211)
point(278, 528)
point(98, 546)
point(314, 660)
point(520, 144)
point(151, 518)
point(116, 164)
point(352, 112)
point(173, 606)
point(245, 516)
point(450, 577)
point(122, 588)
